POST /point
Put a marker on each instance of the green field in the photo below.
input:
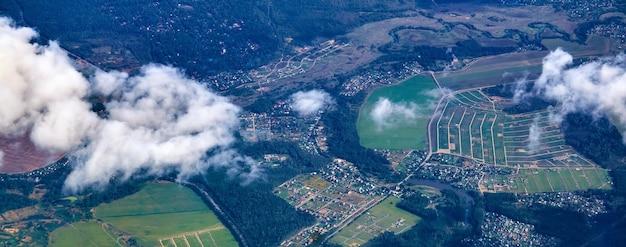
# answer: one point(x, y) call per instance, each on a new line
point(159, 214)
point(596, 46)
point(153, 199)
point(489, 71)
point(400, 133)
point(561, 179)
point(383, 217)
point(82, 234)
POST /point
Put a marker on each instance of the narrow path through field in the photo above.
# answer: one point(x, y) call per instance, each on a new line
point(186, 241)
point(212, 239)
point(438, 126)
point(493, 139)
point(84, 236)
point(104, 225)
point(550, 183)
point(449, 136)
point(198, 238)
point(482, 145)
point(460, 136)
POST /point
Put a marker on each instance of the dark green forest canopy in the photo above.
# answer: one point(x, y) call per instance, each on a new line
point(203, 37)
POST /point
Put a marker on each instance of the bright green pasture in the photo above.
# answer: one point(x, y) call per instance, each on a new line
point(81, 234)
point(224, 238)
point(160, 211)
point(399, 132)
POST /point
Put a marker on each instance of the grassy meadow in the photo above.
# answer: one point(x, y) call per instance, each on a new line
point(399, 132)
point(85, 234)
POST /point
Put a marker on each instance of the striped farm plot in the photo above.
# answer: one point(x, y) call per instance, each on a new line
point(472, 125)
point(214, 236)
point(469, 126)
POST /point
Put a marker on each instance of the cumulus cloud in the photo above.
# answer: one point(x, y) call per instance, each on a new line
point(519, 91)
point(438, 93)
point(595, 88)
point(387, 114)
point(40, 91)
point(309, 102)
point(159, 121)
point(534, 135)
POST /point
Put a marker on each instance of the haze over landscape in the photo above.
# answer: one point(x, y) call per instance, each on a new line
point(313, 123)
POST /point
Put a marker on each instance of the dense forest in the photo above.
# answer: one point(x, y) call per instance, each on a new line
point(343, 138)
point(262, 217)
point(435, 58)
point(527, 103)
point(203, 37)
point(595, 138)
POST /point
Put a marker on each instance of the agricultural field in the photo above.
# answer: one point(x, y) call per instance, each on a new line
point(417, 95)
point(535, 180)
point(384, 217)
point(595, 46)
point(333, 194)
point(161, 214)
point(529, 146)
point(494, 70)
point(83, 234)
point(472, 125)
point(506, 68)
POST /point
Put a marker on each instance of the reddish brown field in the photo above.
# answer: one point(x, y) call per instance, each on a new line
point(21, 155)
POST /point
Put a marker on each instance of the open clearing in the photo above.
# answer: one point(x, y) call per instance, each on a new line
point(399, 132)
point(160, 214)
point(506, 68)
point(493, 70)
point(384, 217)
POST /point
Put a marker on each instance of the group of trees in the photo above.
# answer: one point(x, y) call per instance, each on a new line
point(417, 204)
point(583, 29)
point(263, 218)
point(343, 140)
point(595, 138)
point(201, 37)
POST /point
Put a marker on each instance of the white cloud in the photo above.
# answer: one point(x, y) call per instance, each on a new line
point(596, 88)
point(40, 90)
point(159, 120)
point(307, 103)
point(387, 114)
point(534, 135)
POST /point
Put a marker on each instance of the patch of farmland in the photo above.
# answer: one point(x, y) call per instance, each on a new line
point(158, 212)
point(384, 217)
